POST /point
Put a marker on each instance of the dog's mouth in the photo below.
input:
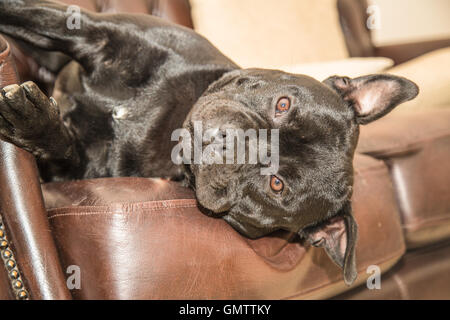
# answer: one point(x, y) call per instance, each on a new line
point(256, 228)
point(276, 218)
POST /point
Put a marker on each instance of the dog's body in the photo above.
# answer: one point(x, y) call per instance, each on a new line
point(135, 79)
point(127, 91)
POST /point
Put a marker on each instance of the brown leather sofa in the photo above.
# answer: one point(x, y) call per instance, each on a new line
point(139, 238)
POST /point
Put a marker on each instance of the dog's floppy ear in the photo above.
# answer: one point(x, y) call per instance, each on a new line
point(338, 237)
point(373, 96)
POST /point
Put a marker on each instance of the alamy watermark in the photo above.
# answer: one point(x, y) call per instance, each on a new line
point(74, 279)
point(228, 146)
point(374, 18)
point(74, 17)
point(374, 280)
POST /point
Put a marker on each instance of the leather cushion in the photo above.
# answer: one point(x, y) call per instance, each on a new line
point(138, 238)
point(416, 147)
point(420, 274)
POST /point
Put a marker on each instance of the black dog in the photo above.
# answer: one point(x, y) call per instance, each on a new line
point(135, 79)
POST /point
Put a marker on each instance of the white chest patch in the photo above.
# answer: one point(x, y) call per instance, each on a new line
point(120, 113)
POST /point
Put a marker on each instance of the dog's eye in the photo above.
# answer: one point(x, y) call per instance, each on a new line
point(276, 184)
point(283, 105)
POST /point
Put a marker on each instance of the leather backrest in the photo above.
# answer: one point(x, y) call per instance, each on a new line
point(177, 11)
point(353, 17)
point(416, 147)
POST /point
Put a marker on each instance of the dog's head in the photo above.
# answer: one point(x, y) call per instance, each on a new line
point(317, 126)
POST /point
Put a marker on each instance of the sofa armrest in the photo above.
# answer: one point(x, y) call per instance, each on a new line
point(403, 52)
point(415, 146)
point(28, 251)
point(139, 238)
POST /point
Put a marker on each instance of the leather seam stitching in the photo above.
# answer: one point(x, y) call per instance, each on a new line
point(141, 204)
point(120, 211)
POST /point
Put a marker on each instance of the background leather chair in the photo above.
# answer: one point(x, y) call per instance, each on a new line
point(138, 238)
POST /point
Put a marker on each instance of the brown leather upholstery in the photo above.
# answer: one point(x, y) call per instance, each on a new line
point(416, 149)
point(420, 274)
point(145, 238)
point(5, 292)
point(8, 73)
point(24, 216)
point(177, 11)
point(352, 15)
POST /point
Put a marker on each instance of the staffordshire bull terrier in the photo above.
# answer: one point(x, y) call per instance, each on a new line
point(134, 79)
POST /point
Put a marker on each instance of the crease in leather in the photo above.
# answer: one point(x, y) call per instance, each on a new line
point(401, 148)
point(5, 53)
point(416, 224)
point(286, 257)
point(285, 243)
point(371, 170)
point(402, 287)
point(397, 153)
point(283, 260)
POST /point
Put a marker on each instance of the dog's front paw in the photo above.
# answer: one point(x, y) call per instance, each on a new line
point(27, 117)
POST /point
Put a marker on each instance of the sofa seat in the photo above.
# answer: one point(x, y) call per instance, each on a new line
point(420, 274)
point(138, 238)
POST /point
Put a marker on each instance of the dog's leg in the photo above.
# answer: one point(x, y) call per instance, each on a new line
point(96, 42)
point(31, 121)
point(116, 55)
point(44, 24)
